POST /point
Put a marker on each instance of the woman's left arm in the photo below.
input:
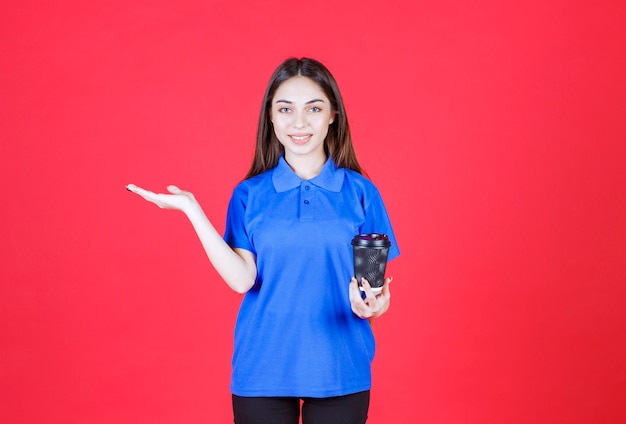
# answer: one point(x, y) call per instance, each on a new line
point(372, 306)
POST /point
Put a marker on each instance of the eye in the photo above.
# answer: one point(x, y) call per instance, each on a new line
point(315, 109)
point(284, 110)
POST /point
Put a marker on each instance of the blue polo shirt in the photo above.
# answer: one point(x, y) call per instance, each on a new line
point(296, 334)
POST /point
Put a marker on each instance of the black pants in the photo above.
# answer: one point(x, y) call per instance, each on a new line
point(349, 409)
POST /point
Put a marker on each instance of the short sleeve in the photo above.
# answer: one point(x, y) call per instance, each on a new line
point(236, 234)
point(377, 221)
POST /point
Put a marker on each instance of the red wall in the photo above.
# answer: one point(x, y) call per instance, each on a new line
point(495, 132)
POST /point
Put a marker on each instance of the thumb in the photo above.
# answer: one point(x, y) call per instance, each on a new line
point(173, 189)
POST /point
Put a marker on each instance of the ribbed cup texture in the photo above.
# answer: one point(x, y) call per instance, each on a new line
point(370, 263)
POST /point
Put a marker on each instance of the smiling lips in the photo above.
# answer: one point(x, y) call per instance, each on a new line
point(300, 138)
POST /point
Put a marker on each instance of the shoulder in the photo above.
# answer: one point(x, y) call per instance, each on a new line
point(252, 184)
point(360, 183)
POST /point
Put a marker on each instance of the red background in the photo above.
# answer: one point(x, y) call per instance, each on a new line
point(496, 133)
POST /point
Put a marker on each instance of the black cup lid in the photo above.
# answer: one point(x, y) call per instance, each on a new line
point(371, 240)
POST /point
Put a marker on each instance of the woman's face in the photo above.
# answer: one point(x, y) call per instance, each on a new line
point(301, 114)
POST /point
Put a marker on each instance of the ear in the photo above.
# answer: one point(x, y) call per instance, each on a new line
point(332, 118)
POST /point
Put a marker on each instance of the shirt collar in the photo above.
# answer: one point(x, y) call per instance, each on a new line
point(330, 178)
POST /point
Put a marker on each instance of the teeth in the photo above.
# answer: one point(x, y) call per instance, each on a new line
point(304, 137)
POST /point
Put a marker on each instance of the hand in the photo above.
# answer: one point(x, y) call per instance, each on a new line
point(178, 199)
point(373, 305)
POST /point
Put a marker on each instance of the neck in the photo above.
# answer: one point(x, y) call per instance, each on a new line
point(306, 167)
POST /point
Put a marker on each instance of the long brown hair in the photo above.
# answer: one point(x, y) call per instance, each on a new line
point(338, 143)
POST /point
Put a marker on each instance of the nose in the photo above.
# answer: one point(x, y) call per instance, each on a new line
point(300, 119)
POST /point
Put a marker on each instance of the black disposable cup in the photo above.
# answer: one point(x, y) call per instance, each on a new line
point(370, 258)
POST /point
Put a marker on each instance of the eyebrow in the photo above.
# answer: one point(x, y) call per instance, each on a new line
point(290, 102)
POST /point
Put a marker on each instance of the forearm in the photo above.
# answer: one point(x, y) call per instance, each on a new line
point(238, 269)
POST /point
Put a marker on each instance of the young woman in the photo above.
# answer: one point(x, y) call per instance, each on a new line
point(302, 332)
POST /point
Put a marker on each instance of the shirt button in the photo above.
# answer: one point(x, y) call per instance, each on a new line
point(306, 202)
point(307, 188)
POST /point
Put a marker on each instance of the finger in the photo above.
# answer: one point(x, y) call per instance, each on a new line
point(173, 189)
point(360, 309)
point(386, 285)
point(146, 194)
point(357, 304)
point(353, 284)
point(369, 294)
point(133, 188)
point(354, 291)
